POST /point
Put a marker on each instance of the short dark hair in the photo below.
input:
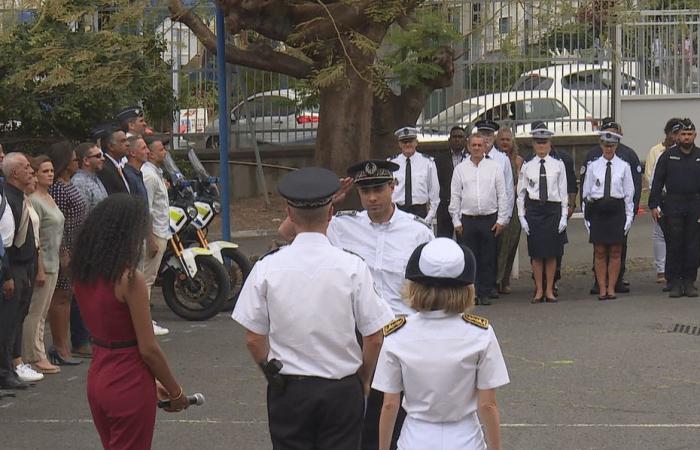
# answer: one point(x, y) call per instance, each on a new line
point(124, 124)
point(457, 127)
point(672, 122)
point(82, 151)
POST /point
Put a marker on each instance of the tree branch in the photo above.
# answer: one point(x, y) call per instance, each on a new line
point(260, 56)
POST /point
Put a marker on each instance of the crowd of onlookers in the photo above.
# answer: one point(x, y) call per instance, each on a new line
point(45, 199)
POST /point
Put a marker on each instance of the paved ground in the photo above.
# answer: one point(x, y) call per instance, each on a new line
point(585, 374)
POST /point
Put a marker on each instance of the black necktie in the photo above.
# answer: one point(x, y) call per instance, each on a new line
point(543, 182)
point(608, 180)
point(408, 201)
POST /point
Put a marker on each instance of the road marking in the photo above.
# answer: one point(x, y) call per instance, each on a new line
point(7, 405)
point(260, 422)
point(72, 378)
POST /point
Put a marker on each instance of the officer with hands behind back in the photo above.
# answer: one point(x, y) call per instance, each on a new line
point(301, 305)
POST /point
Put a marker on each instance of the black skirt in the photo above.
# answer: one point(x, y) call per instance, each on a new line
point(607, 219)
point(544, 240)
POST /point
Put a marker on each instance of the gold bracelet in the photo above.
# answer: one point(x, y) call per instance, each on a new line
point(179, 396)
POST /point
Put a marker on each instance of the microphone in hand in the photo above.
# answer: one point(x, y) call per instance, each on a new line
point(194, 400)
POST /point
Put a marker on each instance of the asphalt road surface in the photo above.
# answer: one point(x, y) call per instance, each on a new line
point(584, 374)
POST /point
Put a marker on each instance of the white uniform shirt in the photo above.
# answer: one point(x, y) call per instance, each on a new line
point(308, 298)
point(438, 360)
point(504, 161)
point(621, 184)
point(385, 247)
point(7, 226)
point(529, 183)
point(425, 187)
point(478, 190)
point(158, 203)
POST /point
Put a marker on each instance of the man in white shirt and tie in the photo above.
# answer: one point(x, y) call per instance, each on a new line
point(479, 209)
point(417, 188)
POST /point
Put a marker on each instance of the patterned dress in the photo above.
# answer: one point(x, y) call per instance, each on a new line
point(73, 207)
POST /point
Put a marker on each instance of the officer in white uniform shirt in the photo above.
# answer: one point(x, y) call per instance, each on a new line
point(447, 362)
point(487, 129)
point(543, 206)
point(417, 186)
point(301, 306)
point(384, 236)
point(479, 210)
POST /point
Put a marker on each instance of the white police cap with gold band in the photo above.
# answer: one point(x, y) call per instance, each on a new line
point(308, 188)
point(406, 133)
point(609, 137)
point(373, 172)
point(442, 262)
point(539, 130)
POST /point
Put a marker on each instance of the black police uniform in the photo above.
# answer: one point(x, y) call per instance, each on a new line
point(628, 155)
point(679, 173)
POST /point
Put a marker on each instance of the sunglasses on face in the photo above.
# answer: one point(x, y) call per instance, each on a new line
point(98, 155)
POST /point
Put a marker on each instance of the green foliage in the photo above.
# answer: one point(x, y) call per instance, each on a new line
point(59, 77)
point(410, 59)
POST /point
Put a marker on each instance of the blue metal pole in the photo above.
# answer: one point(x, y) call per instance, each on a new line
point(223, 125)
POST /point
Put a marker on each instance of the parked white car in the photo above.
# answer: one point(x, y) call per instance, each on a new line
point(590, 84)
point(562, 114)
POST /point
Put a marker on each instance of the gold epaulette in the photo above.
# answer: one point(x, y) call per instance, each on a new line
point(394, 325)
point(479, 321)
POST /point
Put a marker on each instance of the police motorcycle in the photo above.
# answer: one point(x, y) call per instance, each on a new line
point(195, 284)
point(206, 200)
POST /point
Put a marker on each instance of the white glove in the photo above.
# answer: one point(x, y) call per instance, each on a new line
point(562, 225)
point(588, 226)
point(524, 225)
point(628, 225)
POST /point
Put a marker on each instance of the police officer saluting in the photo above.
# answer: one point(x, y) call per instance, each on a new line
point(543, 211)
point(608, 193)
point(678, 171)
point(417, 188)
point(301, 305)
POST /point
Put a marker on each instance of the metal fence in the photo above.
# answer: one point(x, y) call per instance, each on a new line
point(551, 60)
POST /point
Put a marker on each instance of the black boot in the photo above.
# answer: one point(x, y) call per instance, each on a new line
point(676, 288)
point(690, 290)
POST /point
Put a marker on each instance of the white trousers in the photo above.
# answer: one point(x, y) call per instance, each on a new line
point(659, 245)
point(465, 434)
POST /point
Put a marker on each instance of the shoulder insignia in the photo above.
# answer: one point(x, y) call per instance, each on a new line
point(347, 212)
point(677, 158)
point(274, 250)
point(393, 326)
point(422, 220)
point(353, 253)
point(479, 321)
point(639, 169)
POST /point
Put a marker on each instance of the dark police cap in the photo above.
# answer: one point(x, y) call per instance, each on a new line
point(373, 172)
point(442, 262)
point(487, 125)
point(310, 187)
point(673, 125)
point(608, 123)
point(99, 131)
point(687, 124)
point(539, 130)
point(129, 113)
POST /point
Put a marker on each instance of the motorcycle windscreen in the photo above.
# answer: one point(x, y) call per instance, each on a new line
point(201, 172)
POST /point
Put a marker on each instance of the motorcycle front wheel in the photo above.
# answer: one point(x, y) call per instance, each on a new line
point(238, 267)
point(201, 297)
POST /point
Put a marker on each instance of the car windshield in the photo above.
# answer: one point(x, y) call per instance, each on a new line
point(454, 114)
point(532, 83)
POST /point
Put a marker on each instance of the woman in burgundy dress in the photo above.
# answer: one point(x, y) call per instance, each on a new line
point(127, 360)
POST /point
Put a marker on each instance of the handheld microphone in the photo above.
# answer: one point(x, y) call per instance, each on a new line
point(194, 400)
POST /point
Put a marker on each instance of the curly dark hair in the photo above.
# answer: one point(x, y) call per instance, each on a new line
point(61, 154)
point(111, 239)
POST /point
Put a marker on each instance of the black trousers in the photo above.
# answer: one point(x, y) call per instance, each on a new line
point(682, 236)
point(79, 334)
point(13, 310)
point(316, 414)
point(418, 210)
point(370, 429)
point(477, 235)
point(444, 221)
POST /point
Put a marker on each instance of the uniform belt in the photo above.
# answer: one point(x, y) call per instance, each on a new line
point(313, 378)
point(113, 344)
point(485, 216)
point(530, 200)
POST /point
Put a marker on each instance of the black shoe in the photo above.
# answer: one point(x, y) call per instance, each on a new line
point(4, 394)
point(10, 382)
point(690, 290)
point(485, 301)
point(676, 289)
point(58, 360)
point(622, 288)
point(666, 288)
point(595, 290)
point(494, 294)
point(626, 283)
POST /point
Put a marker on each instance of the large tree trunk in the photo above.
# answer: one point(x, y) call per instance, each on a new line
point(343, 138)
